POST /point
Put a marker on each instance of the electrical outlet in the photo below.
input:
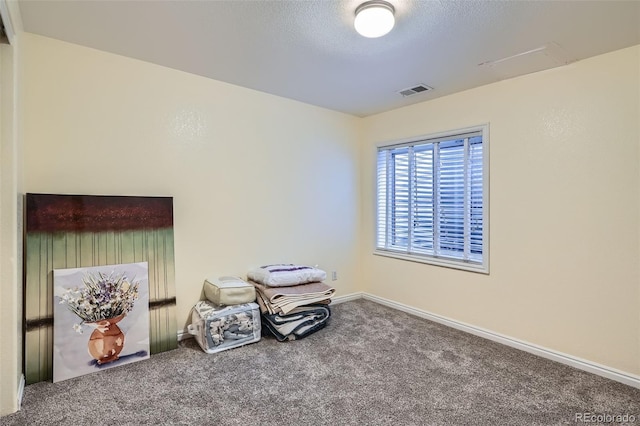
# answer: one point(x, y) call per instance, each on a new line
point(334, 276)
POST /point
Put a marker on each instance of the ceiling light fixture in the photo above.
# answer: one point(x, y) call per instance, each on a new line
point(374, 18)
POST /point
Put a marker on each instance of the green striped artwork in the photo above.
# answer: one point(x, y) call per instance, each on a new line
point(71, 231)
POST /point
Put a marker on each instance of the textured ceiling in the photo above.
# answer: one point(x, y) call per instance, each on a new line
point(307, 49)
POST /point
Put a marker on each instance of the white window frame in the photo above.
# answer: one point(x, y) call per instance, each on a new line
point(482, 267)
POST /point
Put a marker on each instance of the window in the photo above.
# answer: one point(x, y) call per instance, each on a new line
point(432, 199)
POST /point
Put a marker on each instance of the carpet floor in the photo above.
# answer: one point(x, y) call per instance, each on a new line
point(372, 365)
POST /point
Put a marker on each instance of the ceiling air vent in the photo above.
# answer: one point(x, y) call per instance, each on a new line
point(415, 90)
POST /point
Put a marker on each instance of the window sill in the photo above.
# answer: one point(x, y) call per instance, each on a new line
point(471, 267)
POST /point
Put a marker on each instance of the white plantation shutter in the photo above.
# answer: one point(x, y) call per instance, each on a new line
point(450, 197)
point(423, 207)
point(475, 197)
point(383, 202)
point(400, 193)
point(430, 198)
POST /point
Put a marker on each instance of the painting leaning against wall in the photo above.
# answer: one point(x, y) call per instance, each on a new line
point(100, 318)
point(78, 231)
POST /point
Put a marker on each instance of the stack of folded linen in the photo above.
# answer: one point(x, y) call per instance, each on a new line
point(293, 299)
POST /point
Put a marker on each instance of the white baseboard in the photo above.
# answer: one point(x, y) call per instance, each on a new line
point(346, 298)
point(183, 335)
point(20, 391)
point(581, 364)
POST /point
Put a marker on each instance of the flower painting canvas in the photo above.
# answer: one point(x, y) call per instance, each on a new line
point(100, 318)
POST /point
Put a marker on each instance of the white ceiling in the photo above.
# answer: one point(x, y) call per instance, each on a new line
point(307, 49)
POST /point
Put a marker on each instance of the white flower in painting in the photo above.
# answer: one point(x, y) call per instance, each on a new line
point(103, 296)
point(77, 328)
point(66, 297)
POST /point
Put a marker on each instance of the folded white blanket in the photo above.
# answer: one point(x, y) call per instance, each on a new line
point(286, 274)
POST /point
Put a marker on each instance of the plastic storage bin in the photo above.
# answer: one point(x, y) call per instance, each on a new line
point(217, 328)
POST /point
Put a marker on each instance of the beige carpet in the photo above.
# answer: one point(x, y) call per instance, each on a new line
point(371, 365)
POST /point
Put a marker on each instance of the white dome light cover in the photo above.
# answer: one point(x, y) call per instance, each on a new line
point(374, 18)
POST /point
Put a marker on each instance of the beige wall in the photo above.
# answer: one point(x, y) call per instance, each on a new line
point(10, 234)
point(564, 210)
point(255, 178)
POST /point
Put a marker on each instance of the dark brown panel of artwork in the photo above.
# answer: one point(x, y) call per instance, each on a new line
point(97, 213)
